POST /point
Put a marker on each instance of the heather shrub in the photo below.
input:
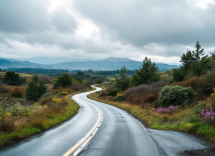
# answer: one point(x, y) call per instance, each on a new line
point(158, 84)
point(103, 93)
point(46, 100)
point(138, 89)
point(78, 87)
point(174, 95)
point(46, 95)
point(149, 98)
point(171, 109)
point(112, 92)
point(17, 92)
point(208, 115)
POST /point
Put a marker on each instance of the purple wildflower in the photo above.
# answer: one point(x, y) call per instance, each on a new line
point(208, 115)
point(173, 108)
point(162, 110)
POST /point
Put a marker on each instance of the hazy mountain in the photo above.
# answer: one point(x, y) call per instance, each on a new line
point(11, 63)
point(47, 60)
point(110, 63)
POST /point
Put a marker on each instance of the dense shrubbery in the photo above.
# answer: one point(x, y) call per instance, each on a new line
point(112, 92)
point(144, 93)
point(174, 95)
point(46, 100)
point(203, 86)
point(78, 87)
point(99, 81)
point(103, 93)
point(17, 92)
point(46, 95)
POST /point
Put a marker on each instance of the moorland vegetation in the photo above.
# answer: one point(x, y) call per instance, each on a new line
point(181, 99)
point(30, 104)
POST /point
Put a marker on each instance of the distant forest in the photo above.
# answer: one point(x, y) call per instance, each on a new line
point(57, 72)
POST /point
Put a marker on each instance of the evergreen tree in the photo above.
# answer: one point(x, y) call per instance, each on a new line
point(200, 64)
point(122, 83)
point(79, 79)
point(64, 80)
point(13, 78)
point(35, 89)
point(147, 74)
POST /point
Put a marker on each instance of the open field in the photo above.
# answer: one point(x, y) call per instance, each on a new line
point(21, 74)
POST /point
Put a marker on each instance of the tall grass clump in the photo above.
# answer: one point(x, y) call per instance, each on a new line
point(17, 92)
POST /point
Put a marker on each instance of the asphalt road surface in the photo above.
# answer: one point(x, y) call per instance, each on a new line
point(100, 129)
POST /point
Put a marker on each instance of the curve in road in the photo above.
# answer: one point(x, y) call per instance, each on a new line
point(113, 131)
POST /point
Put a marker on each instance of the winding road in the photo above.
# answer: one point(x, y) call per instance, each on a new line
point(100, 129)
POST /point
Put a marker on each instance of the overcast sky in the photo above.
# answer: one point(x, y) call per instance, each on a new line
point(160, 29)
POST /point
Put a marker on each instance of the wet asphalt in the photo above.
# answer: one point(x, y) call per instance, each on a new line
point(119, 135)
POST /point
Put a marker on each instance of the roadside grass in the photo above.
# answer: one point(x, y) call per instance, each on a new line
point(178, 121)
point(41, 120)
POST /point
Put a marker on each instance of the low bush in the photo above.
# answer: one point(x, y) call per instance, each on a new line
point(57, 91)
point(103, 93)
point(46, 95)
point(149, 98)
point(138, 89)
point(17, 92)
point(174, 95)
point(46, 100)
point(64, 93)
point(13, 110)
point(118, 98)
point(64, 102)
point(78, 87)
point(112, 92)
point(7, 125)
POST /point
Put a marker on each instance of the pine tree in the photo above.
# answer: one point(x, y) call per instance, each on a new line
point(147, 74)
point(64, 80)
point(122, 83)
point(35, 89)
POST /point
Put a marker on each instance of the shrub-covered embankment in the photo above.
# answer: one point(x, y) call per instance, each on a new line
point(18, 122)
point(185, 109)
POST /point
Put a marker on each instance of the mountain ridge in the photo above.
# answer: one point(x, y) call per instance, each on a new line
point(111, 63)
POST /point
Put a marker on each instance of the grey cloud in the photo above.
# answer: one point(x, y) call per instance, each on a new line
point(143, 22)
